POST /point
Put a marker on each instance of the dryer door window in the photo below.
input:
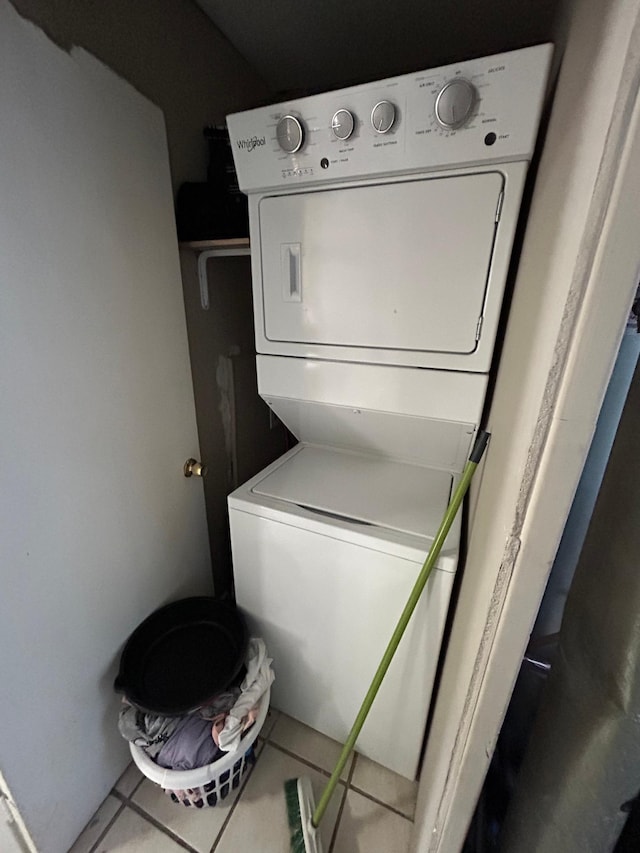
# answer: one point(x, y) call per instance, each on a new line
point(399, 266)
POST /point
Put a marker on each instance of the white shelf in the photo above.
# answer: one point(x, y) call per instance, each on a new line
point(233, 247)
point(229, 244)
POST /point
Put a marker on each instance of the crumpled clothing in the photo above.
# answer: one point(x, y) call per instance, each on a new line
point(152, 731)
point(258, 679)
point(219, 721)
point(217, 727)
point(190, 746)
point(188, 797)
point(220, 704)
point(149, 731)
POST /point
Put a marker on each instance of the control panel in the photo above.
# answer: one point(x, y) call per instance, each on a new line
point(479, 111)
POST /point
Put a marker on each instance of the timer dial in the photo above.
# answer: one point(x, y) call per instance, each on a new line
point(290, 134)
point(342, 124)
point(383, 115)
point(455, 103)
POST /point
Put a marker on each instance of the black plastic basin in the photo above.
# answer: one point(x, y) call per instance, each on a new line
point(182, 655)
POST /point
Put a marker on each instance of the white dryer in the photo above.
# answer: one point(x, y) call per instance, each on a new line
point(382, 220)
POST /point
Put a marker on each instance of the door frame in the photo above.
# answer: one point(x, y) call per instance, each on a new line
point(14, 819)
point(541, 438)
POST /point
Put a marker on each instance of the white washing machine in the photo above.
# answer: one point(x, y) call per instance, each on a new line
point(382, 220)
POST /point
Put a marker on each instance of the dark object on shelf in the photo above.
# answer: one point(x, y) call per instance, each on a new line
point(629, 840)
point(183, 654)
point(215, 209)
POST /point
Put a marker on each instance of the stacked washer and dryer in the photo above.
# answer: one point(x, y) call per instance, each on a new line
point(382, 220)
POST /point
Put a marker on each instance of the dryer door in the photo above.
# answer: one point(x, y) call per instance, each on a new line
point(401, 266)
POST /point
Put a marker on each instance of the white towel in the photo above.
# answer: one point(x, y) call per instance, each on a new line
point(258, 678)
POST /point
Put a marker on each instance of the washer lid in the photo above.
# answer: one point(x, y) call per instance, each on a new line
point(407, 498)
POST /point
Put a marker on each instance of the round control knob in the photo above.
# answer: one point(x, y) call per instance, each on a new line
point(383, 116)
point(342, 124)
point(290, 134)
point(455, 103)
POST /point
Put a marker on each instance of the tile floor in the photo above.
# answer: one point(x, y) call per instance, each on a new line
point(372, 809)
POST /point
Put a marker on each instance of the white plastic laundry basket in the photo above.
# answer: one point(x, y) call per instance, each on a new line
point(206, 786)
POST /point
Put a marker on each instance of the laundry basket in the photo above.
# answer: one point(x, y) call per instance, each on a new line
point(206, 786)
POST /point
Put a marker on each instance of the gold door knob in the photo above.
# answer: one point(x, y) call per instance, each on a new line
point(193, 468)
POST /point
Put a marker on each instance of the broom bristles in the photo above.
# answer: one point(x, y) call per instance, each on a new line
point(304, 837)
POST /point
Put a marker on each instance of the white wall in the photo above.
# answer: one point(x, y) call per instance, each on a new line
point(97, 524)
point(171, 52)
point(565, 324)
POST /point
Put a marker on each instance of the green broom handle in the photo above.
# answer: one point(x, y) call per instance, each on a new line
point(432, 556)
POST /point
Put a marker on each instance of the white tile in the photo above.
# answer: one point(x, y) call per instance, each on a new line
point(198, 827)
point(96, 826)
point(129, 780)
point(366, 827)
point(259, 821)
point(385, 785)
point(133, 834)
point(308, 744)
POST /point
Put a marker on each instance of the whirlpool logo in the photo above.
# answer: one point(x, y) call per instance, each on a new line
point(251, 144)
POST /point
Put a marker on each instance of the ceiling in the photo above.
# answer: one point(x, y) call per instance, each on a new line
point(300, 46)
